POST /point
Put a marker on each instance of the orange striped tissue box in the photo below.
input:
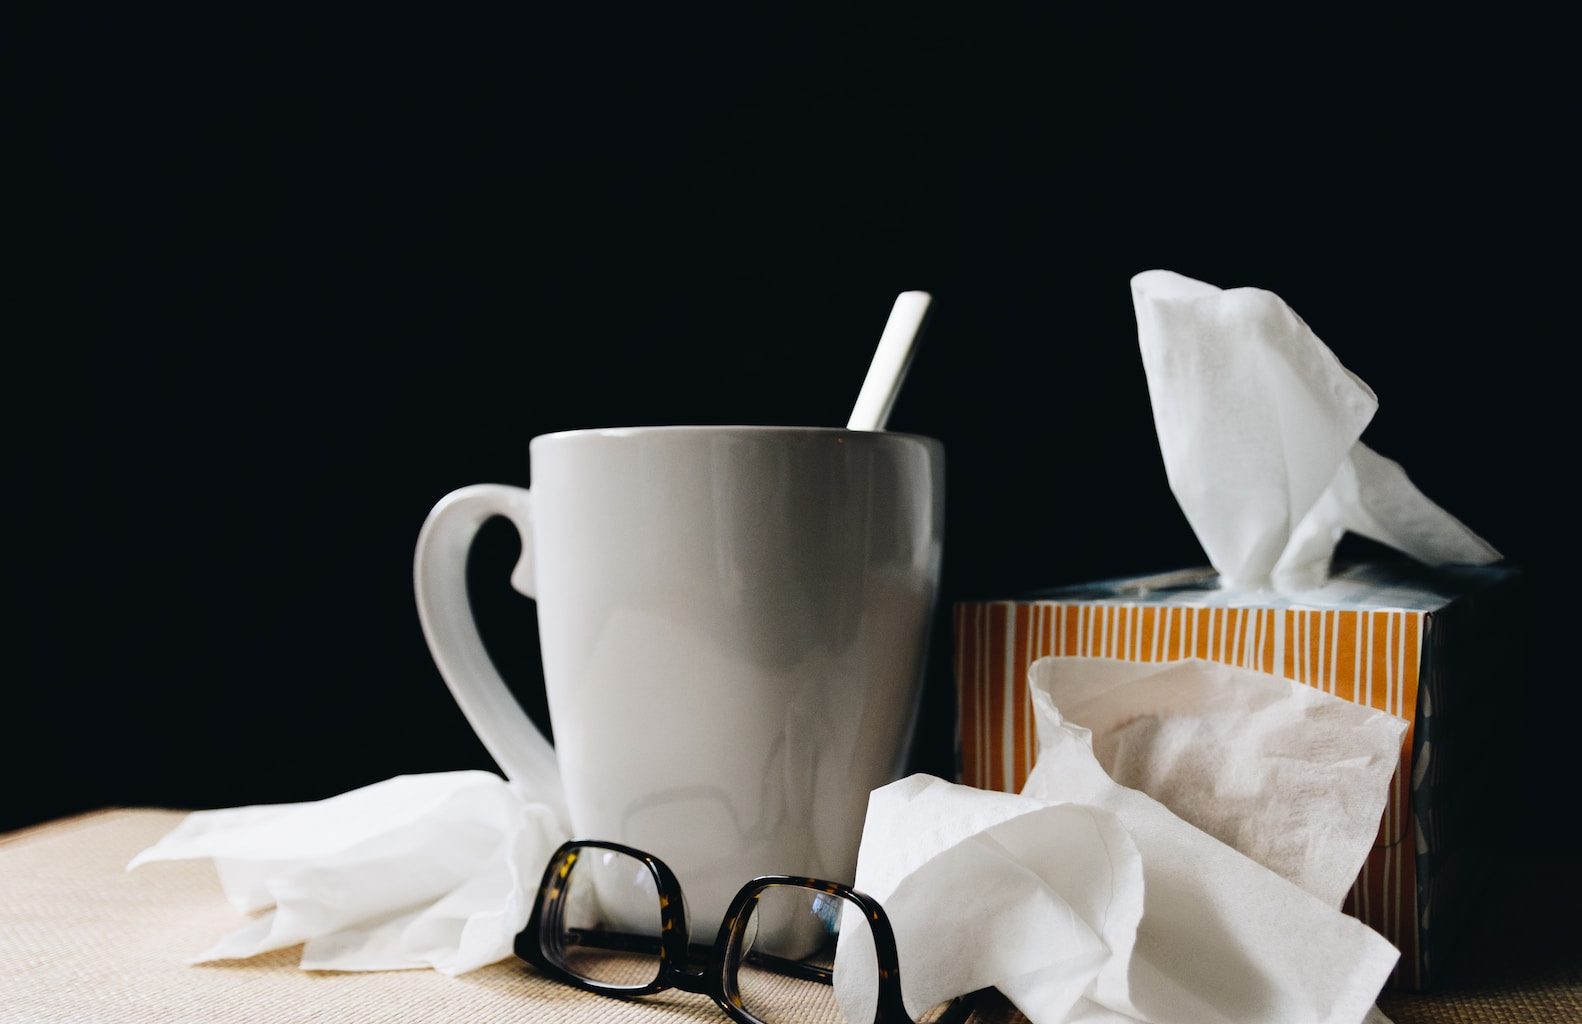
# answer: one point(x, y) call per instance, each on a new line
point(1441, 648)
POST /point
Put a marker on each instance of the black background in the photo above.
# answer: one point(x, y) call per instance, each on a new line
point(274, 287)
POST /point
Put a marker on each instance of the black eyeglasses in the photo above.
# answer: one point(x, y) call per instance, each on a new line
point(612, 920)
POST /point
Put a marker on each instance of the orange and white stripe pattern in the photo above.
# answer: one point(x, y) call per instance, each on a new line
point(1367, 657)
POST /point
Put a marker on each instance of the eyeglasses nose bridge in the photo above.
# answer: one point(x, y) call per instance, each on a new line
point(692, 981)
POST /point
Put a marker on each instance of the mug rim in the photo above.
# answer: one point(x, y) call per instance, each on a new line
point(703, 428)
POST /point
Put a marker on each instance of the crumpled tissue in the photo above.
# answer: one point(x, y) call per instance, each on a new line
point(1084, 900)
point(416, 871)
point(1292, 777)
point(1259, 425)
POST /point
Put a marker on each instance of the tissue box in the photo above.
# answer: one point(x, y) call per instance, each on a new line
point(1442, 648)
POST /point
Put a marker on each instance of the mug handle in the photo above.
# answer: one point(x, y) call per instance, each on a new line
point(439, 579)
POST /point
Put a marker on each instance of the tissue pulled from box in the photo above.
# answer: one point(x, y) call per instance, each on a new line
point(416, 871)
point(1082, 899)
point(1259, 425)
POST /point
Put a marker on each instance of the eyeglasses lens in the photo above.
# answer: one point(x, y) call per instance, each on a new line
point(607, 925)
point(786, 961)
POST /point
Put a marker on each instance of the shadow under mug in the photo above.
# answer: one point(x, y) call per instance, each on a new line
point(734, 623)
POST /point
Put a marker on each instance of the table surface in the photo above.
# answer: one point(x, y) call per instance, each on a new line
point(83, 941)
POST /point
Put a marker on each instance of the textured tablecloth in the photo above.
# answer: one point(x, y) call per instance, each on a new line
point(82, 941)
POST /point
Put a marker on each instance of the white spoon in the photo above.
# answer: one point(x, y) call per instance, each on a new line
point(890, 362)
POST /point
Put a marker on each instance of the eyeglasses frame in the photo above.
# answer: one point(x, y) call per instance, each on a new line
point(713, 980)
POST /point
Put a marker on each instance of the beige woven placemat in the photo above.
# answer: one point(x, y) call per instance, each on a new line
point(82, 941)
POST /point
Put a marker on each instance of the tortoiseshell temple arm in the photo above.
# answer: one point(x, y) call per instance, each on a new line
point(650, 945)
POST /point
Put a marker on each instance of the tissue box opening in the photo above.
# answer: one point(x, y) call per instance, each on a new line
point(1442, 648)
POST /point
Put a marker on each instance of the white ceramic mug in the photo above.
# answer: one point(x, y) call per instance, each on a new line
point(733, 621)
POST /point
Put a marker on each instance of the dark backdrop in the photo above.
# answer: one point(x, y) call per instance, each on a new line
point(275, 287)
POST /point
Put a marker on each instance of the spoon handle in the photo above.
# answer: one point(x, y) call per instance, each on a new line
point(890, 361)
